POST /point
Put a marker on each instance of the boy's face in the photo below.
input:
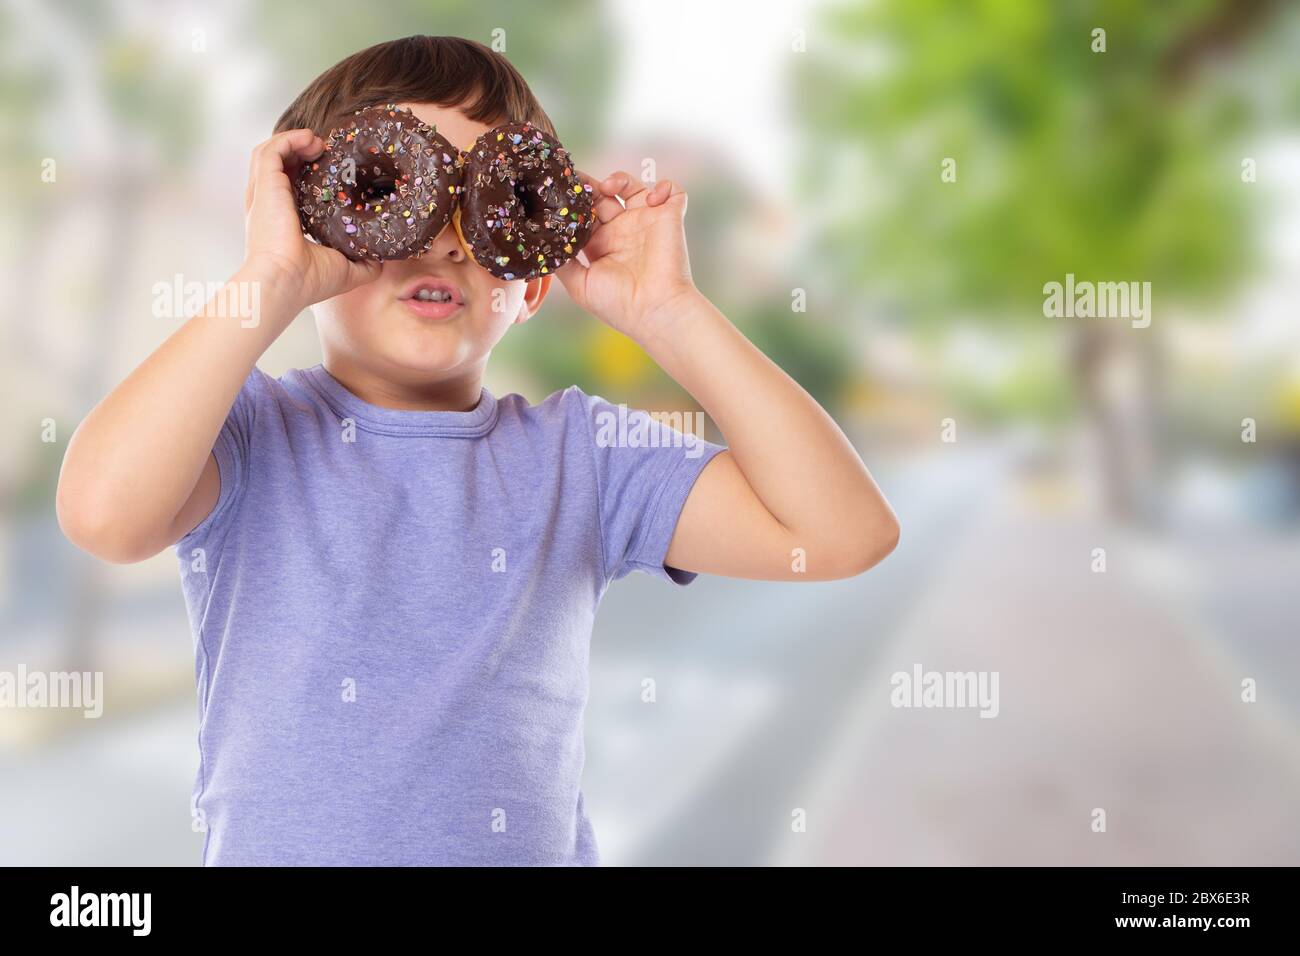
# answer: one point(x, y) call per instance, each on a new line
point(377, 330)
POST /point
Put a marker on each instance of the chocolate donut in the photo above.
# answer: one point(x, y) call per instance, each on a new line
point(383, 189)
point(523, 210)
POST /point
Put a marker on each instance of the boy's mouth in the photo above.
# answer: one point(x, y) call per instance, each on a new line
point(433, 298)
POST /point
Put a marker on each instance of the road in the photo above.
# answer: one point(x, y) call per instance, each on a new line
point(753, 679)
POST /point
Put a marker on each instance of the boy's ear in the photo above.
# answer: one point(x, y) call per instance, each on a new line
point(534, 293)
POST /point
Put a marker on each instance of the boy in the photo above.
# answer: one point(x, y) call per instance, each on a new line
point(391, 573)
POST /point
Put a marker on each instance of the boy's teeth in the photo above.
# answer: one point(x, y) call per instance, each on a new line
point(433, 295)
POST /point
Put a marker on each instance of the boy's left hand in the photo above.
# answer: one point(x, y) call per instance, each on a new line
point(638, 265)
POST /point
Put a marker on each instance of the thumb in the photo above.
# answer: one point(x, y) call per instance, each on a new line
point(573, 276)
point(359, 272)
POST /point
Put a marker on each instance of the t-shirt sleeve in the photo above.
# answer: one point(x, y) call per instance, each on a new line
point(646, 466)
point(232, 450)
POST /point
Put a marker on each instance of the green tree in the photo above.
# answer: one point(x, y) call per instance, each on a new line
point(1114, 165)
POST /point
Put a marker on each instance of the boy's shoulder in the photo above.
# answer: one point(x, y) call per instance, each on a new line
point(573, 407)
point(567, 402)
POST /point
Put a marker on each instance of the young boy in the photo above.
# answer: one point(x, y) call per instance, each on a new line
point(390, 572)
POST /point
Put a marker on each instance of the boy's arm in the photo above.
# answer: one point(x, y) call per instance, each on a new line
point(139, 467)
point(789, 478)
point(139, 471)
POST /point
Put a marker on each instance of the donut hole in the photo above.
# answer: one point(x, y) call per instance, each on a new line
point(531, 206)
point(377, 181)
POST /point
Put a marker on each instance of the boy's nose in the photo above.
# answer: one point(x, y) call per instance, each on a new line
point(447, 246)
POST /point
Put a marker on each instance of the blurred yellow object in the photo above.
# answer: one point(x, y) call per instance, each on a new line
point(1288, 405)
point(616, 358)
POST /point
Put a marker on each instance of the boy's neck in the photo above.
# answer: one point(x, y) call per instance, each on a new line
point(458, 393)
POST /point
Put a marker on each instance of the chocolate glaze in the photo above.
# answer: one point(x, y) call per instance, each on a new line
point(523, 210)
point(407, 176)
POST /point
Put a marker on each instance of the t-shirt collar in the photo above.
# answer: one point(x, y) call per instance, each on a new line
point(400, 421)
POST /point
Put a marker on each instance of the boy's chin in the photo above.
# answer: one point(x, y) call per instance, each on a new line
point(427, 355)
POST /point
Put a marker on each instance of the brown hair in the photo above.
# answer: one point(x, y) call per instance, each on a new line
point(446, 71)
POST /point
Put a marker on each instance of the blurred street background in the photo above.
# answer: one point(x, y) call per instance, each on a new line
point(879, 192)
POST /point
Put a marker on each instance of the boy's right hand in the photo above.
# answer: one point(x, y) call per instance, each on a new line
point(275, 247)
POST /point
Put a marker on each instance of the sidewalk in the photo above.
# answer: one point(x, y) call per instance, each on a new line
point(1112, 695)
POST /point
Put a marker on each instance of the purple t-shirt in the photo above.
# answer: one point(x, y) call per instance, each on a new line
point(392, 612)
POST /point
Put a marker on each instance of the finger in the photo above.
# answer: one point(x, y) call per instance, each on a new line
point(358, 273)
point(281, 154)
point(589, 180)
point(677, 195)
point(599, 245)
point(674, 196)
point(573, 276)
point(281, 146)
point(618, 188)
point(624, 185)
point(299, 156)
point(606, 207)
point(659, 193)
point(341, 274)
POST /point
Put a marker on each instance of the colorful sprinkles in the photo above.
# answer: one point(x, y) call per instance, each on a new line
point(406, 179)
point(524, 211)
